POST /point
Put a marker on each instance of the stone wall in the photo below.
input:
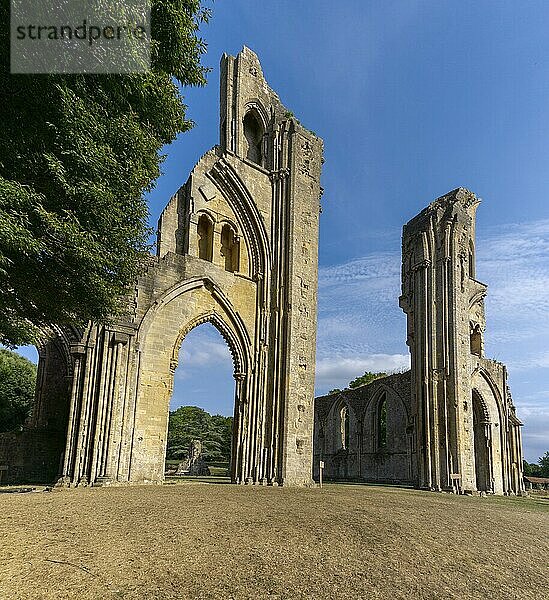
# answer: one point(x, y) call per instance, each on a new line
point(369, 454)
point(31, 456)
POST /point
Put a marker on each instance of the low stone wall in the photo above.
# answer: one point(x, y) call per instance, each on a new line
point(31, 456)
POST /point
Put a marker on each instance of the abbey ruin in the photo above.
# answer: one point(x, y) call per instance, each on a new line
point(449, 423)
point(237, 246)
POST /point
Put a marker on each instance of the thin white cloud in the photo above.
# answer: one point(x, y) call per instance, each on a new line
point(203, 347)
point(535, 433)
point(204, 352)
point(359, 317)
point(531, 361)
point(514, 261)
point(337, 372)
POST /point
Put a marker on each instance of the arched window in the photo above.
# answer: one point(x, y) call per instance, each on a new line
point(344, 427)
point(382, 422)
point(253, 133)
point(205, 237)
point(230, 248)
point(476, 340)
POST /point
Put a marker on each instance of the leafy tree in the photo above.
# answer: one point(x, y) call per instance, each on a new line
point(77, 153)
point(17, 384)
point(539, 469)
point(334, 391)
point(224, 428)
point(526, 468)
point(368, 377)
point(189, 423)
point(544, 465)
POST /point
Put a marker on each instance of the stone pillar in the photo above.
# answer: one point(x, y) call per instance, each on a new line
point(110, 408)
point(78, 352)
point(435, 297)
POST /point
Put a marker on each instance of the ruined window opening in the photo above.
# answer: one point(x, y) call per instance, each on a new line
point(253, 133)
point(344, 427)
point(205, 238)
point(230, 248)
point(471, 260)
point(382, 422)
point(476, 341)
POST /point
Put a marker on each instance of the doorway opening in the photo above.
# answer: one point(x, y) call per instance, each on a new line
point(481, 429)
point(200, 424)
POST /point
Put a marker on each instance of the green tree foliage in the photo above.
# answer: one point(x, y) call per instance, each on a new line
point(531, 469)
point(17, 384)
point(368, 377)
point(189, 423)
point(77, 153)
point(224, 426)
point(544, 464)
point(539, 469)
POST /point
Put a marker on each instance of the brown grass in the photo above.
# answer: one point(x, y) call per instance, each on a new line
point(223, 541)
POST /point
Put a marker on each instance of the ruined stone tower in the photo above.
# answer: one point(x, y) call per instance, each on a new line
point(449, 423)
point(237, 247)
point(467, 433)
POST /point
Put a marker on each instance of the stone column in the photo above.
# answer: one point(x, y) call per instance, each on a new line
point(78, 352)
point(107, 441)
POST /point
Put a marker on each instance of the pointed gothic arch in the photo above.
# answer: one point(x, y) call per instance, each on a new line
point(249, 217)
point(489, 438)
point(186, 306)
point(122, 378)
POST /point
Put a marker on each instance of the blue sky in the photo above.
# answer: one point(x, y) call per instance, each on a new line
point(412, 99)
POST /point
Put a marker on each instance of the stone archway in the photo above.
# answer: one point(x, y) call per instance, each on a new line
point(237, 246)
point(187, 306)
point(35, 452)
point(488, 443)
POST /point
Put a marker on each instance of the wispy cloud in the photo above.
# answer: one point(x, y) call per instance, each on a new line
point(361, 328)
point(337, 372)
point(203, 347)
point(358, 309)
point(514, 261)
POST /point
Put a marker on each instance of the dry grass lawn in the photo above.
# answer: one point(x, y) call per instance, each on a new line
point(222, 541)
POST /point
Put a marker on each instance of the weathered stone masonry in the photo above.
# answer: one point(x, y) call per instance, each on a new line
point(450, 422)
point(237, 247)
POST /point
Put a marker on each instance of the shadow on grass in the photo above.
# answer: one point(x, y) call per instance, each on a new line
point(173, 480)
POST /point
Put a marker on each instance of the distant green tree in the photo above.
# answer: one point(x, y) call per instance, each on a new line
point(334, 391)
point(368, 377)
point(189, 423)
point(544, 465)
point(17, 384)
point(533, 469)
point(224, 428)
